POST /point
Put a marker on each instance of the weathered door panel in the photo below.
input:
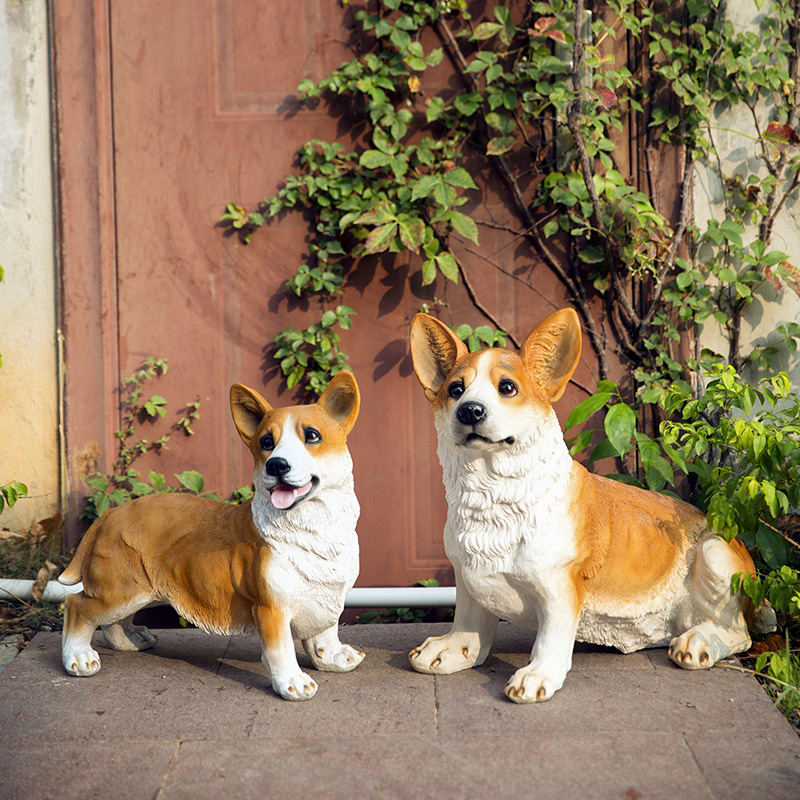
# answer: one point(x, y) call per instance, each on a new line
point(168, 111)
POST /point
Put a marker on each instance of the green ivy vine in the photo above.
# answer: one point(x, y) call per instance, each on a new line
point(546, 98)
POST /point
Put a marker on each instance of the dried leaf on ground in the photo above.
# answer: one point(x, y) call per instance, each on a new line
point(42, 577)
point(774, 643)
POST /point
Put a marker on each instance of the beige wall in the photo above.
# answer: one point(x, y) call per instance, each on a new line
point(733, 133)
point(29, 441)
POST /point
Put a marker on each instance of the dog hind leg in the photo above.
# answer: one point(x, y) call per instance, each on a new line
point(124, 635)
point(719, 625)
point(328, 654)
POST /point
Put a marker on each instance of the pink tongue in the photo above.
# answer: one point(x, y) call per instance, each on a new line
point(283, 496)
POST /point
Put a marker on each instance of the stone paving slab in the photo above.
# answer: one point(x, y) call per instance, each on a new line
point(195, 718)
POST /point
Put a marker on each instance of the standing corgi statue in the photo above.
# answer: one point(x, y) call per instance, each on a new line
point(279, 565)
point(536, 539)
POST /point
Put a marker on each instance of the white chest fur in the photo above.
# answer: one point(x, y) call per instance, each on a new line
point(313, 555)
point(506, 526)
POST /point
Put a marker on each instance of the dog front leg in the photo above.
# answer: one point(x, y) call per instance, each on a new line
point(558, 612)
point(278, 655)
point(328, 654)
point(466, 645)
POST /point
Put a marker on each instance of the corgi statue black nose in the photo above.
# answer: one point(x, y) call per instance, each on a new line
point(470, 413)
point(277, 466)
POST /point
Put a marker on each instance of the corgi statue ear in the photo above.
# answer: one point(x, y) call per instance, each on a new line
point(434, 352)
point(552, 350)
point(248, 408)
point(341, 400)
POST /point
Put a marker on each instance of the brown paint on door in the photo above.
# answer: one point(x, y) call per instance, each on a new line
point(165, 112)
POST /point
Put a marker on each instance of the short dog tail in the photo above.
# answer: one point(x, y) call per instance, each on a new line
point(762, 620)
point(74, 572)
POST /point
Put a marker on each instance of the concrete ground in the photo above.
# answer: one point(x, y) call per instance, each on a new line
point(194, 718)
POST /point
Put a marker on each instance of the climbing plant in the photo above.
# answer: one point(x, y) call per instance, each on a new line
point(544, 98)
point(124, 482)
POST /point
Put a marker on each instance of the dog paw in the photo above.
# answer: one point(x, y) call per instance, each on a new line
point(692, 650)
point(529, 686)
point(441, 655)
point(341, 659)
point(81, 661)
point(298, 687)
point(132, 637)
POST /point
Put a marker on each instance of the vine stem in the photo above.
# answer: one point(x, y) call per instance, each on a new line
point(758, 674)
point(631, 319)
point(683, 221)
point(574, 288)
point(477, 303)
point(780, 533)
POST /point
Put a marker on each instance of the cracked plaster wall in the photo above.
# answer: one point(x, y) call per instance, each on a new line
point(29, 442)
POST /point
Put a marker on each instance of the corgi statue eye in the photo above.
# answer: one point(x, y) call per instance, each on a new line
point(456, 389)
point(267, 442)
point(313, 436)
point(507, 388)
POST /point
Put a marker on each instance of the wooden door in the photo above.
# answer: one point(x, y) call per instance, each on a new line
point(164, 112)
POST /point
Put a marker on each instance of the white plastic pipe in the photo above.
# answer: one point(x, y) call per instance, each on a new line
point(375, 597)
point(18, 589)
point(401, 597)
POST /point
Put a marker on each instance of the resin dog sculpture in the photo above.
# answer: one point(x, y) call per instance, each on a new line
point(279, 565)
point(536, 539)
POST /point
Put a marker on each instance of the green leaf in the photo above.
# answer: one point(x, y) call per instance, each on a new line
point(372, 159)
point(156, 479)
point(774, 257)
point(464, 225)
point(499, 145)
point(461, 178)
point(603, 450)
point(435, 109)
point(98, 481)
point(156, 406)
point(294, 377)
point(468, 104)
point(772, 547)
point(428, 272)
point(412, 230)
point(586, 408)
point(399, 165)
point(434, 57)
point(380, 238)
point(485, 31)
point(620, 425)
point(425, 186)
point(192, 480)
point(400, 38)
point(592, 254)
point(140, 488)
point(581, 442)
point(485, 334)
point(447, 266)
point(377, 215)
